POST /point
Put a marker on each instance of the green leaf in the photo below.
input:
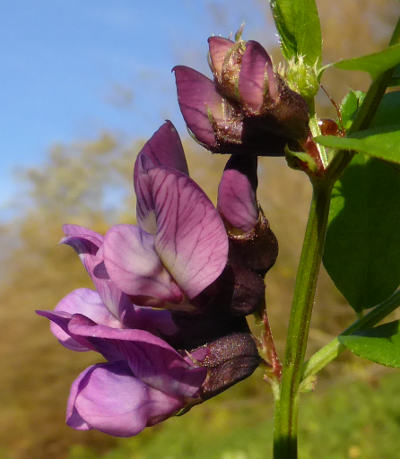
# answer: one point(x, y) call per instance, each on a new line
point(395, 81)
point(298, 25)
point(349, 107)
point(362, 251)
point(388, 110)
point(382, 142)
point(375, 63)
point(380, 344)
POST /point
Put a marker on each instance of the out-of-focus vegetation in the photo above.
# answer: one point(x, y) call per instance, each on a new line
point(354, 419)
point(89, 183)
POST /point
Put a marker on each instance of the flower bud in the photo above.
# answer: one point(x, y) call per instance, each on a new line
point(247, 109)
point(228, 360)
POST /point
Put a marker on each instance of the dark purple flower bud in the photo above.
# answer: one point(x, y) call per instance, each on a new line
point(248, 109)
point(252, 245)
point(228, 360)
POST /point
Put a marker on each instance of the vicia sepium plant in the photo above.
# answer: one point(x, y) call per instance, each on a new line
point(168, 313)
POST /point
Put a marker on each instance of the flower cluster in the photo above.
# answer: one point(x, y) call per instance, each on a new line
point(171, 294)
point(248, 108)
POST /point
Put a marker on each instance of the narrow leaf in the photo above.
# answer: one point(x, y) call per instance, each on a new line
point(375, 63)
point(362, 252)
point(299, 28)
point(380, 344)
point(381, 142)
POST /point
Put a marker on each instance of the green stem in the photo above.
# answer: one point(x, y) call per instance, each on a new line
point(333, 349)
point(285, 429)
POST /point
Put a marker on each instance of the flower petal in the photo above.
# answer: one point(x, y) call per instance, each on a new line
point(150, 358)
point(219, 48)
point(117, 302)
point(163, 149)
point(83, 240)
point(135, 267)
point(81, 301)
point(255, 63)
point(198, 99)
point(191, 239)
point(88, 245)
point(237, 201)
point(107, 397)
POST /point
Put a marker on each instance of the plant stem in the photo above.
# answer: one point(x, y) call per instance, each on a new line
point(285, 429)
point(333, 349)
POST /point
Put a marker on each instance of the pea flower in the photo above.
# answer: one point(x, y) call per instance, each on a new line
point(163, 314)
point(247, 109)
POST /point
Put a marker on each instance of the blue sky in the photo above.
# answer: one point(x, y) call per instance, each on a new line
point(70, 69)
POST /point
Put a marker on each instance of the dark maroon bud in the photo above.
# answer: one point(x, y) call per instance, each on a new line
point(256, 250)
point(248, 109)
point(228, 360)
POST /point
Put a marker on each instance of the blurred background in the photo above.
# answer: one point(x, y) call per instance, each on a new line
point(83, 85)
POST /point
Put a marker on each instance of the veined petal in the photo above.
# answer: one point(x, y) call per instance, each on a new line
point(134, 265)
point(81, 301)
point(199, 102)
point(117, 302)
point(150, 358)
point(191, 239)
point(163, 149)
point(88, 244)
point(84, 241)
point(80, 232)
point(237, 201)
point(61, 320)
point(218, 48)
point(255, 63)
point(107, 397)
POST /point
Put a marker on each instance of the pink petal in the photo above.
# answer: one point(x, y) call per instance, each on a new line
point(255, 63)
point(150, 358)
point(134, 266)
point(81, 301)
point(198, 100)
point(88, 245)
point(107, 397)
point(219, 47)
point(191, 239)
point(84, 241)
point(163, 149)
point(117, 302)
point(237, 201)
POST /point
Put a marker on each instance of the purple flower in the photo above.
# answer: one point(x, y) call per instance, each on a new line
point(195, 344)
point(247, 109)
